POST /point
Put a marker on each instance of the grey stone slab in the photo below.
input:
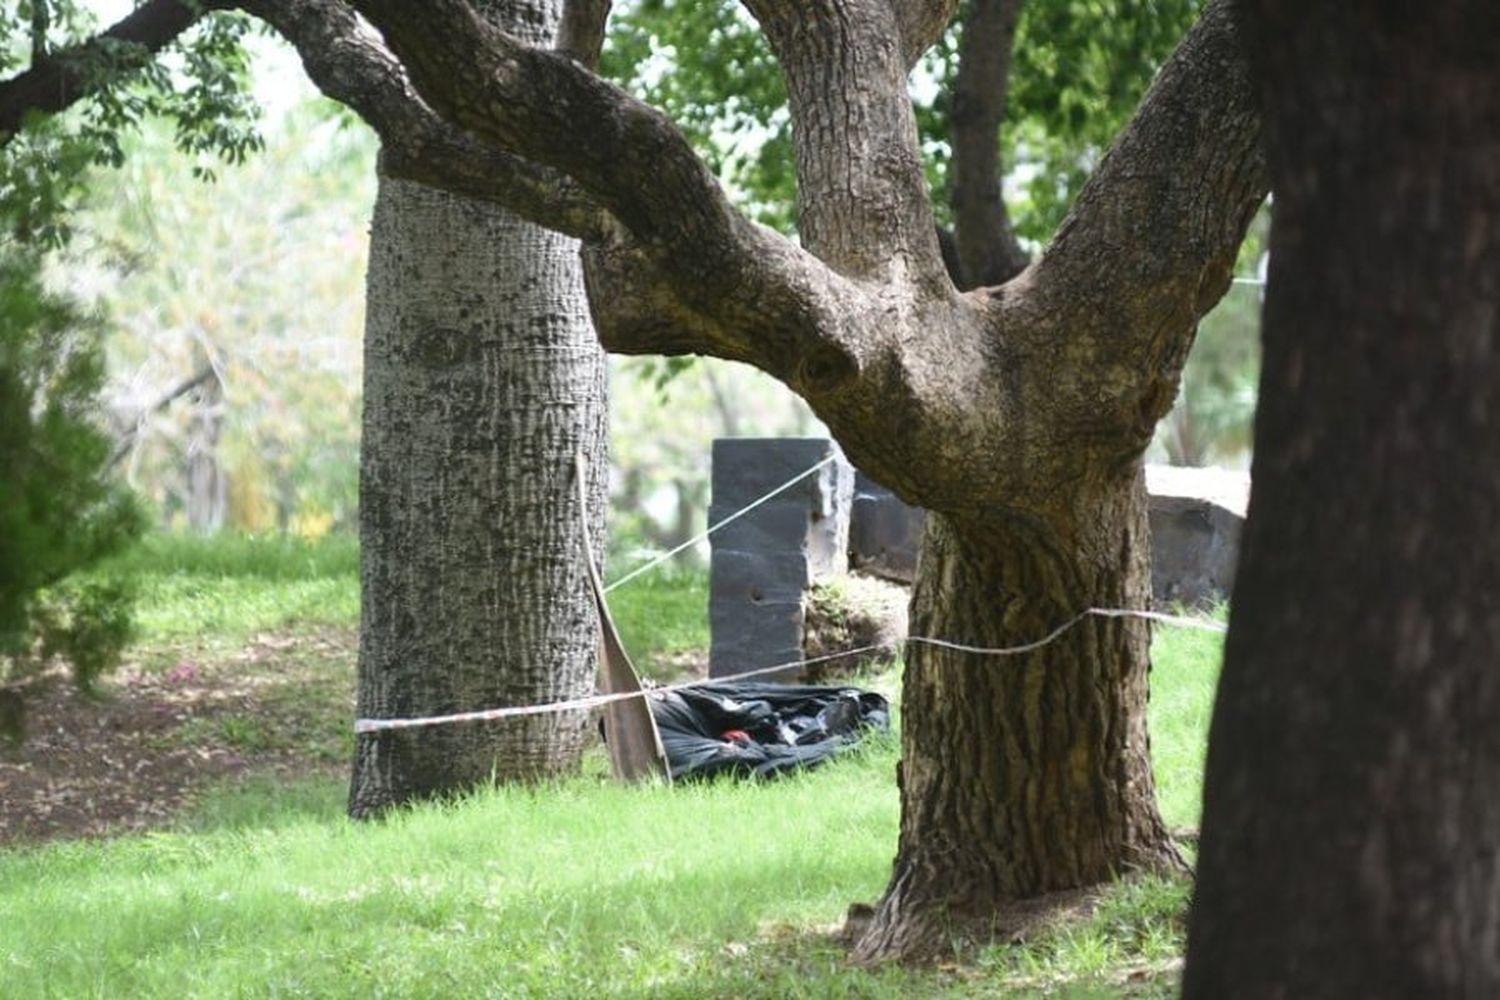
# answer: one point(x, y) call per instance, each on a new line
point(778, 525)
point(885, 535)
point(1196, 519)
point(764, 560)
point(1194, 551)
point(756, 577)
point(746, 468)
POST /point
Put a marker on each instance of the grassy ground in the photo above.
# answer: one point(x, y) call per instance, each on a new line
point(199, 594)
point(262, 888)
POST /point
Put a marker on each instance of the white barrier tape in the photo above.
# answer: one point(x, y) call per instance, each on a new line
point(715, 527)
point(364, 726)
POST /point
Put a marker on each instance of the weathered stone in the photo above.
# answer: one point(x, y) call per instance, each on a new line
point(884, 533)
point(764, 560)
point(1196, 517)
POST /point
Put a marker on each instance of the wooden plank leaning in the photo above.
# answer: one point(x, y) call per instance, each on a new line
point(635, 750)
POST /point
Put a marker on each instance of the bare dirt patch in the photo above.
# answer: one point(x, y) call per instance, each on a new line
point(136, 755)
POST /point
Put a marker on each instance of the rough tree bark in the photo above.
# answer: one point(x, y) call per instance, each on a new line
point(1017, 414)
point(987, 249)
point(1351, 831)
point(483, 379)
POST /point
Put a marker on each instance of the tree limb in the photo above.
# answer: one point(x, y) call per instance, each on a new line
point(41, 23)
point(348, 63)
point(581, 34)
point(1151, 242)
point(54, 82)
point(987, 248)
point(724, 285)
point(922, 21)
point(127, 440)
point(539, 104)
point(862, 203)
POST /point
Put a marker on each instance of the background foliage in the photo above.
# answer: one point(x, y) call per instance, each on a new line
point(258, 275)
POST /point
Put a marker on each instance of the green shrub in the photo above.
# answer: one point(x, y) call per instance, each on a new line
point(87, 624)
point(59, 514)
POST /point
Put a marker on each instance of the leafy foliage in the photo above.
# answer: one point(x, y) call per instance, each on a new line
point(199, 83)
point(1079, 69)
point(707, 65)
point(58, 513)
point(87, 624)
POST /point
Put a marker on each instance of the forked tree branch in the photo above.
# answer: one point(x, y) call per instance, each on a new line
point(862, 201)
point(719, 267)
point(348, 63)
point(1151, 242)
point(922, 22)
point(546, 108)
point(56, 80)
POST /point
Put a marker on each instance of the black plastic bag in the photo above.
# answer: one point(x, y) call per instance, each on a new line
point(761, 729)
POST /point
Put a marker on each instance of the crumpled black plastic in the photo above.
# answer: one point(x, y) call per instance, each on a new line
point(761, 729)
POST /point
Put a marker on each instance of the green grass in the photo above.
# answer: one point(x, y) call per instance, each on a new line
point(581, 888)
point(228, 588)
point(576, 889)
point(661, 613)
point(1185, 672)
point(231, 587)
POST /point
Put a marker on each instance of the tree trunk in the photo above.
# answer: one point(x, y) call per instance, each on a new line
point(1018, 413)
point(206, 496)
point(483, 379)
point(1351, 830)
point(1030, 774)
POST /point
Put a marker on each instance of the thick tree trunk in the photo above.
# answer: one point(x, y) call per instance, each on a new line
point(1029, 774)
point(1018, 413)
point(483, 379)
point(1351, 830)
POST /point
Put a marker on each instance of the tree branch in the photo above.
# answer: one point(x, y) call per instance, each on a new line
point(862, 201)
point(720, 284)
point(55, 82)
point(922, 21)
point(348, 64)
point(988, 251)
point(581, 34)
point(127, 440)
point(1150, 245)
point(539, 105)
point(41, 23)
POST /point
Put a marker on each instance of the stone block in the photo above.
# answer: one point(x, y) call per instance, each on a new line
point(1196, 519)
point(885, 535)
point(764, 560)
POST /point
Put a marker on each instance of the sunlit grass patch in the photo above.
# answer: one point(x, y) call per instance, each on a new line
point(1185, 673)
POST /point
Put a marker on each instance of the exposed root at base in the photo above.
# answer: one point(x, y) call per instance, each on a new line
point(906, 929)
point(936, 935)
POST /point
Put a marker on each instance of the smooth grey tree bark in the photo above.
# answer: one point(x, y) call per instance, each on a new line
point(482, 380)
